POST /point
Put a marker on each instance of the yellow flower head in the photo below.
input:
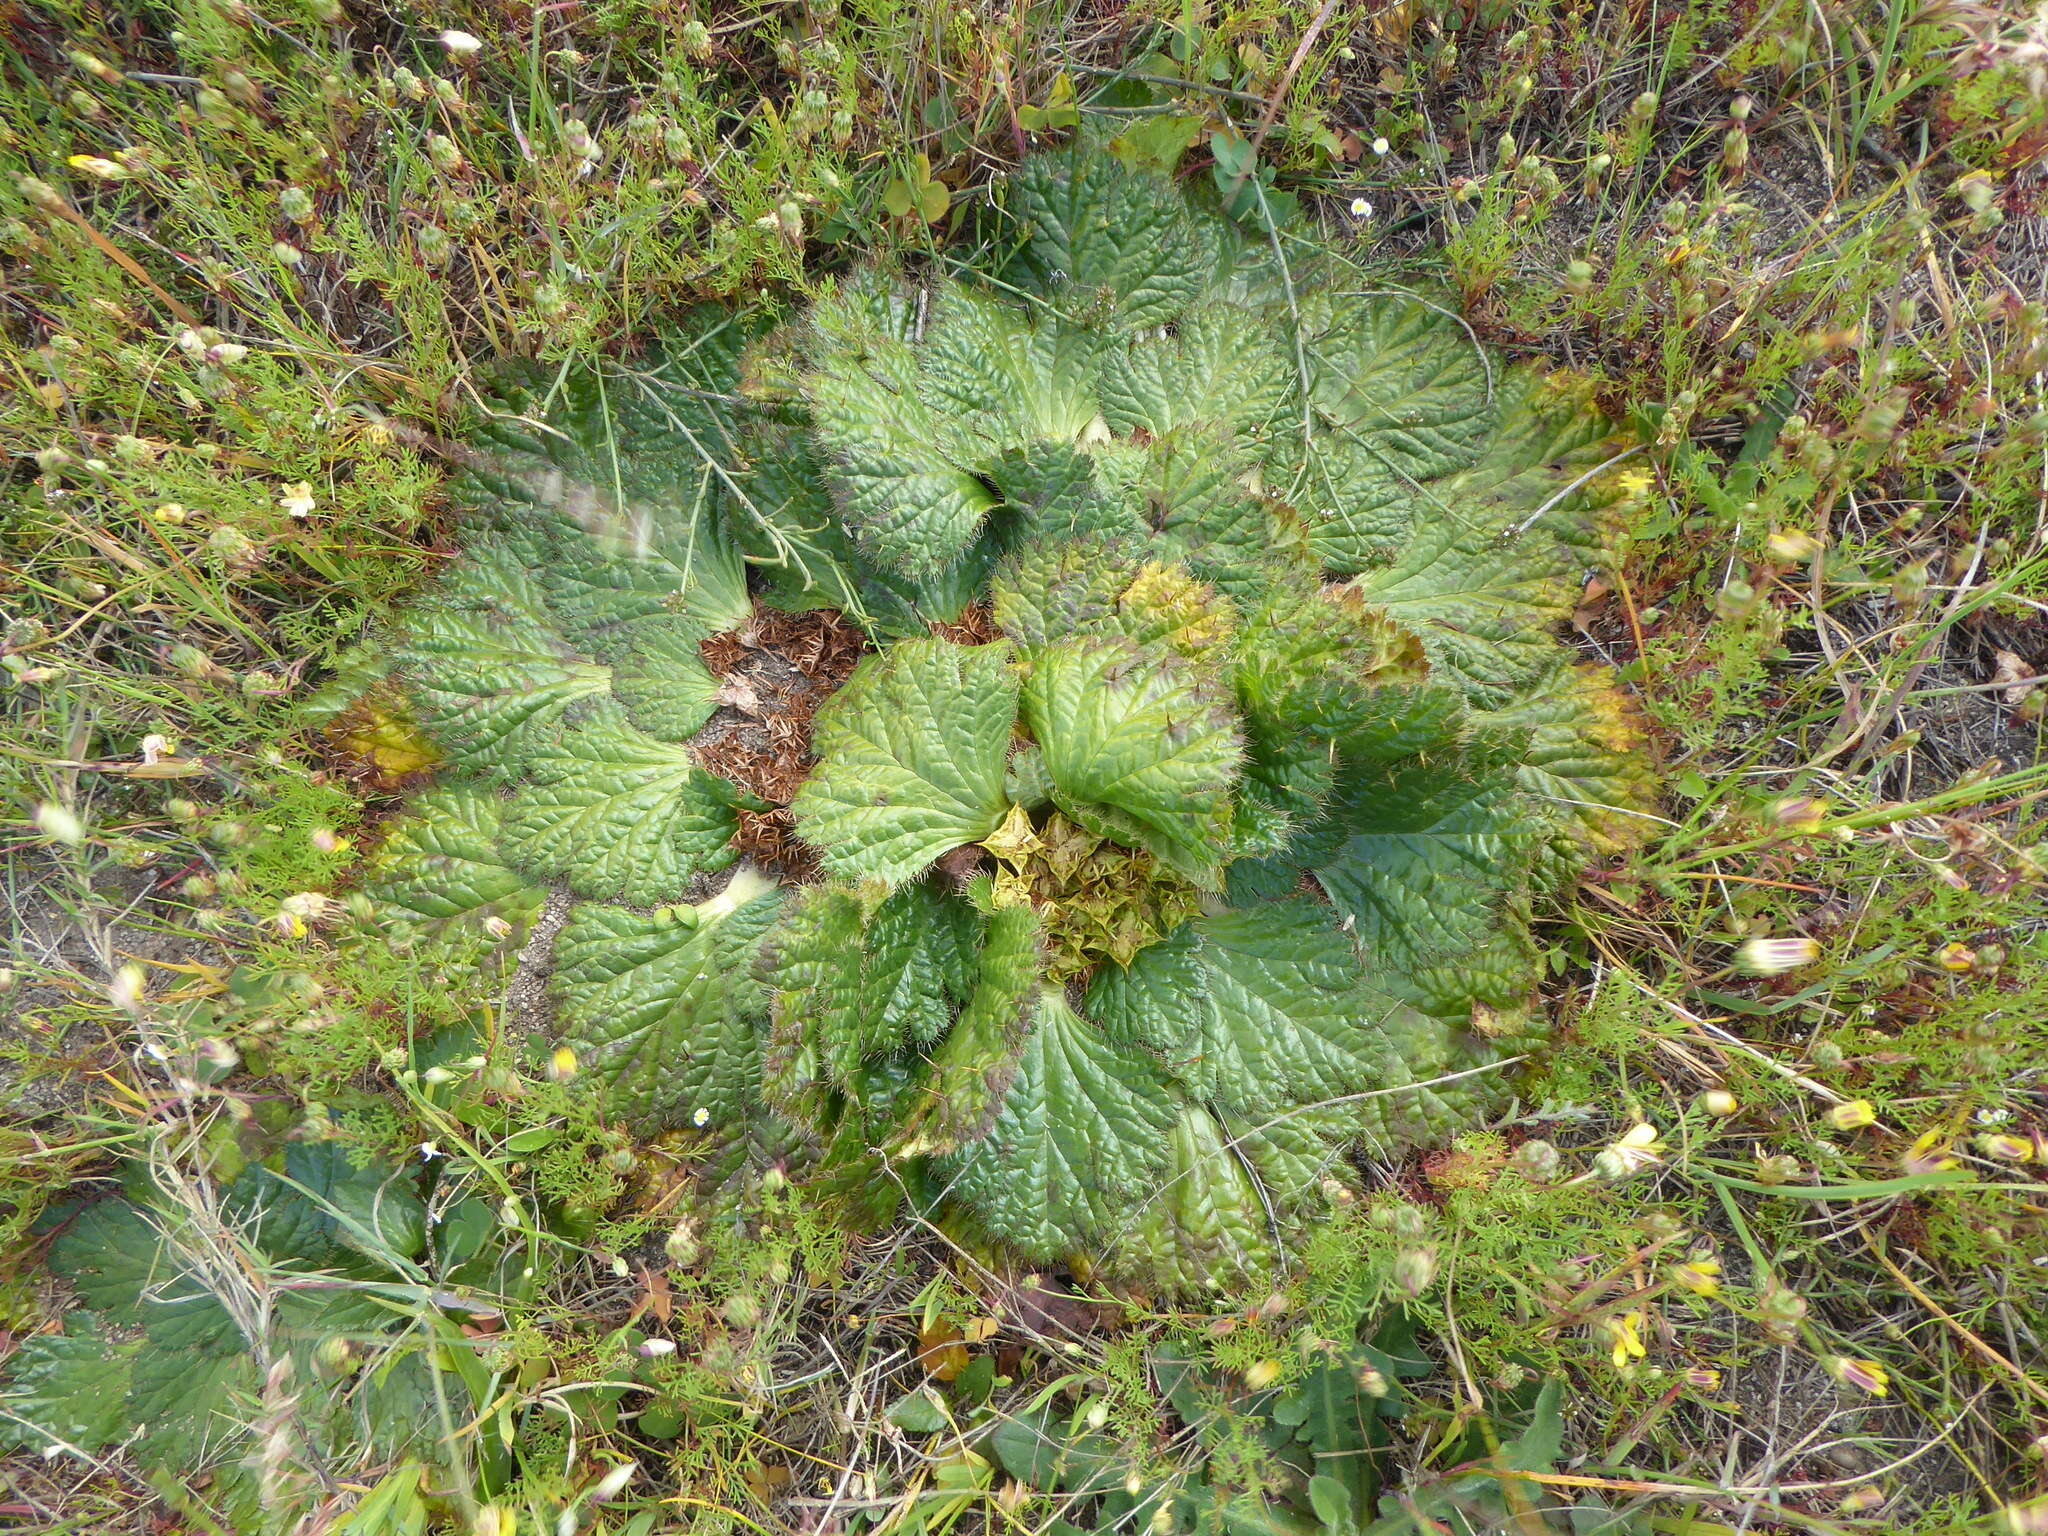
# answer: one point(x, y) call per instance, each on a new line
point(1626, 1331)
point(1853, 1116)
point(1864, 1375)
point(1702, 1276)
point(1638, 1148)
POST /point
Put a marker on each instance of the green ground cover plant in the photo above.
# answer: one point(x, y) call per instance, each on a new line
point(1751, 1244)
point(1265, 566)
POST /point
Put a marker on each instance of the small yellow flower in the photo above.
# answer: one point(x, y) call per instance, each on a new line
point(1634, 482)
point(1929, 1154)
point(1794, 546)
point(1864, 1375)
point(562, 1065)
point(2007, 1149)
point(297, 499)
point(1261, 1374)
point(1774, 957)
point(93, 165)
point(1852, 1116)
point(1956, 956)
point(1626, 1331)
point(1701, 1276)
point(1703, 1378)
point(1637, 1149)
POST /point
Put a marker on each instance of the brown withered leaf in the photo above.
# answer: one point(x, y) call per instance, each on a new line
point(940, 1351)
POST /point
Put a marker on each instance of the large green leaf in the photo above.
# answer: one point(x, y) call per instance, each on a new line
point(812, 965)
point(902, 473)
point(974, 1066)
point(1584, 763)
point(442, 862)
point(1403, 378)
point(1007, 378)
point(1083, 1127)
point(663, 1010)
point(191, 1408)
point(1205, 1224)
point(1139, 746)
point(1434, 859)
point(1256, 1009)
point(620, 816)
point(850, 983)
point(491, 686)
point(1103, 241)
point(910, 758)
point(1222, 368)
point(115, 1257)
point(68, 1391)
point(329, 1203)
point(1484, 609)
point(1058, 492)
point(1059, 591)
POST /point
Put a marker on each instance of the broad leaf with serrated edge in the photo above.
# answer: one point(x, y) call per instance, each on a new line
point(1202, 1226)
point(1048, 592)
point(1222, 369)
point(1084, 1125)
point(620, 816)
point(1278, 1011)
point(1140, 748)
point(1583, 762)
point(909, 496)
point(663, 1010)
point(973, 1067)
point(442, 862)
point(327, 1204)
point(1483, 609)
point(68, 1391)
point(1433, 859)
point(1005, 377)
point(1108, 240)
point(492, 699)
point(115, 1257)
point(910, 758)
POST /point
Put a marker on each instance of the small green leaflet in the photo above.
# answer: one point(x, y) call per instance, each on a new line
point(911, 755)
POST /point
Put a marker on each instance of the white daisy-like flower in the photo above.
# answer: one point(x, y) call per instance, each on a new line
point(1360, 208)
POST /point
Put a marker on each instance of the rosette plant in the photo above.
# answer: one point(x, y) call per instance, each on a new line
point(1209, 739)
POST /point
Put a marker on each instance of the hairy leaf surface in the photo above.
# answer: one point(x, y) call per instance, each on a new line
point(620, 816)
point(1083, 1126)
point(911, 754)
point(442, 862)
point(1139, 747)
point(663, 1010)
